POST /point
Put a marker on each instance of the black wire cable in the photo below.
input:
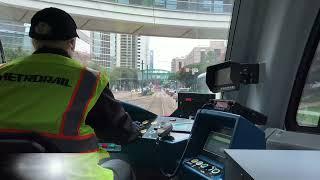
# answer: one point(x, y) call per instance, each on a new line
point(175, 172)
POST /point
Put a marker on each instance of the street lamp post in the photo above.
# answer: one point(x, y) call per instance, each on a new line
point(142, 76)
point(147, 73)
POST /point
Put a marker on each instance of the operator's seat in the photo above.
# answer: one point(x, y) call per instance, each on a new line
point(25, 143)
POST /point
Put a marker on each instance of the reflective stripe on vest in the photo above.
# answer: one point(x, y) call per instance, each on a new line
point(79, 102)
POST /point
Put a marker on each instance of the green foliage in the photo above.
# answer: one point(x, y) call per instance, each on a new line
point(189, 78)
point(122, 73)
point(172, 76)
point(210, 58)
point(11, 53)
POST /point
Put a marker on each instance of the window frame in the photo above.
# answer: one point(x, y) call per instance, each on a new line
point(300, 80)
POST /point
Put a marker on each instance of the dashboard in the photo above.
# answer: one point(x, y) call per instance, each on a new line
point(198, 145)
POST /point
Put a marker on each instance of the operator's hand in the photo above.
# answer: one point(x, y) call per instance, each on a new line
point(137, 125)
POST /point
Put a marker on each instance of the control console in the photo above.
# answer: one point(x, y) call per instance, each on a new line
point(212, 133)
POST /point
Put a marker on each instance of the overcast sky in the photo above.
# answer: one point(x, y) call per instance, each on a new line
point(165, 49)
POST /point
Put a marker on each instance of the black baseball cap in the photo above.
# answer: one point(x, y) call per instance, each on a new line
point(52, 24)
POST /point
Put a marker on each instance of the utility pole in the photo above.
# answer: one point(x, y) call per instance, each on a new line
point(147, 73)
point(142, 76)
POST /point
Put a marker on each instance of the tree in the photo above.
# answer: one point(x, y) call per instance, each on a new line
point(210, 58)
point(172, 76)
point(189, 78)
point(11, 53)
point(123, 74)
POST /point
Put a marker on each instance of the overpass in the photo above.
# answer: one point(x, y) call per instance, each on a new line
point(168, 18)
point(155, 74)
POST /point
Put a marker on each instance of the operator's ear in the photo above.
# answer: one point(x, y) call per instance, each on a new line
point(72, 43)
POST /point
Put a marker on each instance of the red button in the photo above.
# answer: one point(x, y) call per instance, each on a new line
point(188, 99)
point(104, 145)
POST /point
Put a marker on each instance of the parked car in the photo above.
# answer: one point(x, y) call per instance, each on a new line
point(175, 96)
point(172, 91)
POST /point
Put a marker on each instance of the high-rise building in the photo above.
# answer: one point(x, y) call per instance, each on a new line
point(151, 59)
point(177, 64)
point(103, 49)
point(143, 57)
point(219, 49)
point(126, 51)
point(198, 54)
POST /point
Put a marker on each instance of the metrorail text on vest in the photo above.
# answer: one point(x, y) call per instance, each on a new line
point(34, 78)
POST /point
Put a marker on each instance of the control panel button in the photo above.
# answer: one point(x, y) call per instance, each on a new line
point(162, 124)
point(152, 131)
point(215, 171)
point(194, 160)
point(145, 122)
point(143, 131)
point(204, 165)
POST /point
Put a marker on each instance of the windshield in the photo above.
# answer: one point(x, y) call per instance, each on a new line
point(148, 71)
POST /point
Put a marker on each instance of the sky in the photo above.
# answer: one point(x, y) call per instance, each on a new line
point(82, 46)
point(165, 49)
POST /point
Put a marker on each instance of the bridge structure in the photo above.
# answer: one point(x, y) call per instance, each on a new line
point(167, 18)
point(155, 75)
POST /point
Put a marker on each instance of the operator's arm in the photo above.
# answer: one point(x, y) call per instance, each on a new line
point(110, 121)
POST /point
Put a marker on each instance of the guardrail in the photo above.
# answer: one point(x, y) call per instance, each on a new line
point(215, 7)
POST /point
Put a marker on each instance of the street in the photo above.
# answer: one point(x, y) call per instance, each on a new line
point(159, 102)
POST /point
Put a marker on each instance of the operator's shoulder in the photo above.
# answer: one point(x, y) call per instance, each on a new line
point(13, 61)
point(96, 69)
point(102, 74)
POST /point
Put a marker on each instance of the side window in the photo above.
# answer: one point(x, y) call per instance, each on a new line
point(2, 58)
point(308, 113)
point(304, 106)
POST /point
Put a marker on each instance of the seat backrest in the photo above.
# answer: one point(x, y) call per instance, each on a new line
point(25, 143)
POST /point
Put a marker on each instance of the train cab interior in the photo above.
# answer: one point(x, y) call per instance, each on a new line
point(265, 123)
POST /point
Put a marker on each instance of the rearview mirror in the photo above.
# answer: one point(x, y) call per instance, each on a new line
point(228, 76)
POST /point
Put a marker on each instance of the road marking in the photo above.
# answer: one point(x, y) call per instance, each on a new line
point(163, 113)
point(151, 103)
